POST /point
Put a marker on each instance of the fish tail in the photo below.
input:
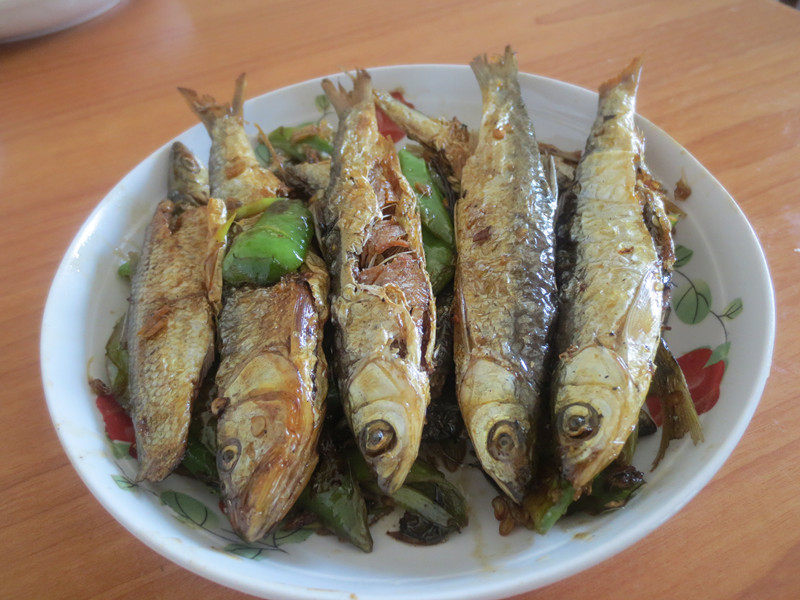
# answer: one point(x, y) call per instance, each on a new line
point(628, 78)
point(209, 110)
point(342, 100)
point(488, 70)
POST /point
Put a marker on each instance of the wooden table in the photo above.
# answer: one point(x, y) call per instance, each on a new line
point(82, 107)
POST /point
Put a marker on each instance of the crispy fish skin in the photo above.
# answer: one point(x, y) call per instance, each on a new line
point(272, 383)
point(170, 333)
point(382, 303)
point(611, 300)
point(236, 176)
point(505, 291)
point(450, 139)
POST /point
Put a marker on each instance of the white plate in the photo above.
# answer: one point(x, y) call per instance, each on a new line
point(87, 296)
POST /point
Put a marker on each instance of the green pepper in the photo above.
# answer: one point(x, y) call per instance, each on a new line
point(281, 140)
point(439, 261)
point(433, 213)
point(426, 492)
point(275, 245)
point(125, 270)
point(548, 502)
point(117, 363)
point(199, 460)
point(248, 210)
point(334, 497)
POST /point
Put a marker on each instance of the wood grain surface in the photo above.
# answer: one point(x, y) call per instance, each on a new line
point(82, 107)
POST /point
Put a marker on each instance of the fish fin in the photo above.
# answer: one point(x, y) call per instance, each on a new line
point(680, 415)
point(341, 99)
point(628, 78)
point(209, 110)
point(497, 67)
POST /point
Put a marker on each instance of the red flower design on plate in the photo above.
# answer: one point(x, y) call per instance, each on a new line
point(119, 426)
point(703, 381)
point(388, 127)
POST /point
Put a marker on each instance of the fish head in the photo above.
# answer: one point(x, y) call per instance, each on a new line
point(592, 410)
point(387, 416)
point(499, 425)
point(266, 449)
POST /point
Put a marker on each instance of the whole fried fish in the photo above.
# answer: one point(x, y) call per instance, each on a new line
point(272, 384)
point(271, 381)
point(236, 175)
point(175, 291)
point(505, 290)
point(382, 303)
point(612, 293)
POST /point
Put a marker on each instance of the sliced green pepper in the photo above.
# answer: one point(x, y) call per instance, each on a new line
point(426, 492)
point(548, 502)
point(281, 140)
point(430, 200)
point(275, 245)
point(199, 460)
point(439, 261)
point(334, 497)
point(117, 363)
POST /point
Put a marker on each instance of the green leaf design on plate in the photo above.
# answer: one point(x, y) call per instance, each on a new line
point(682, 255)
point(123, 482)
point(262, 152)
point(733, 309)
point(245, 551)
point(692, 302)
point(719, 353)
point(289, 536)
point(120, 449)
point(188, 509)
point(322, 103)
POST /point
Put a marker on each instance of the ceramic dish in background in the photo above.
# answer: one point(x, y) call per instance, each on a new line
point(723, 325)
point(23, 19)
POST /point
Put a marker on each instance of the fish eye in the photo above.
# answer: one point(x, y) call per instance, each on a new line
point(579, 421)
point(377, 437)
point(228, 455)
point(503, 439)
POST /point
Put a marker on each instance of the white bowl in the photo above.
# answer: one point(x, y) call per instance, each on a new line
point(87, 296)
point(23, 19)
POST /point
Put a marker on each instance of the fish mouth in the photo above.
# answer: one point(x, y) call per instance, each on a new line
point(386, 412)
point(270, 491)
point(266, 455)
